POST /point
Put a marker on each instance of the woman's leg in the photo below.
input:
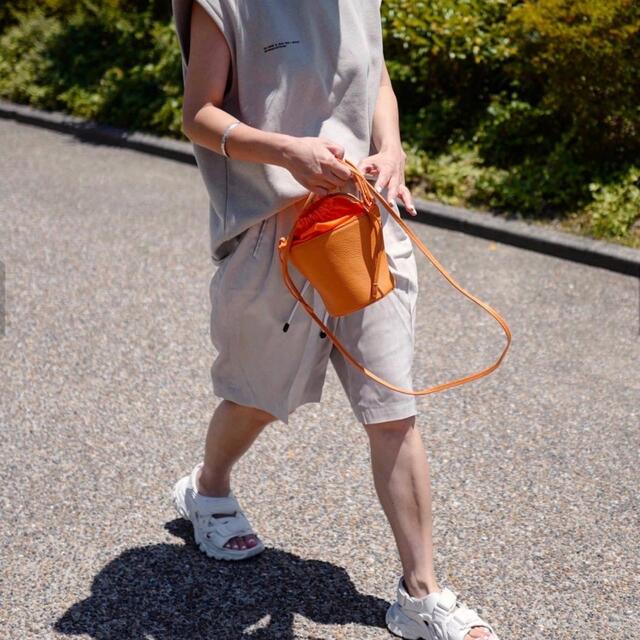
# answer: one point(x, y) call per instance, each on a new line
point(401, 478)
point(232, 430)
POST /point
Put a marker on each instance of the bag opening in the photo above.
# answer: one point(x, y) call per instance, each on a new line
point(326, 214)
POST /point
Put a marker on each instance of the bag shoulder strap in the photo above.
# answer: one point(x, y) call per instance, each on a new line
point(284, 247)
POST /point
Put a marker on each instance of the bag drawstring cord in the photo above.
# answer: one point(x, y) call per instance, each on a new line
point(324, 321)
point(287, 324)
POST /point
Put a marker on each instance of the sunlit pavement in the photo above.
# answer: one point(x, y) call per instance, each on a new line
point(105, 397)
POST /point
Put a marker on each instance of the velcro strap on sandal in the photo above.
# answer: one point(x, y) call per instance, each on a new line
point(223, 504)
point(444, 605)
point(465, 615)
point(225, 528)
point(460, 623)
point(446, 600)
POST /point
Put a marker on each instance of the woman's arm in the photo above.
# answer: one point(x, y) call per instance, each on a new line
point(388, 163)
point(311, 161)
point(386, 119)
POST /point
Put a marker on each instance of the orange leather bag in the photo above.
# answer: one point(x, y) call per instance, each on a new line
point(338, 245)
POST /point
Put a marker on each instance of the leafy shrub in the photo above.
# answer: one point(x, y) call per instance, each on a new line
point(616, 206)
point(97, 62)
point(445, 58)
point(13, 12)
point(580, 61)
point(527, 107)
point(518, 105)
point(27, 72)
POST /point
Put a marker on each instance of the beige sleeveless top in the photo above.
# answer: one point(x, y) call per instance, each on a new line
point(299, 67)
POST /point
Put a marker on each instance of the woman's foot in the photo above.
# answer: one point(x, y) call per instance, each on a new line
point(212, 534)
point(238, 542)
point(419, 592)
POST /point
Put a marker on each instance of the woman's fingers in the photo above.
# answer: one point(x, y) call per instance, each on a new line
point(339, 174)
point(383, 179)
point(319, 189)
point(335, 175)
point(407, 200)
point(394, 185)
point(325, 183)
point(368, 167)
point(336, 149)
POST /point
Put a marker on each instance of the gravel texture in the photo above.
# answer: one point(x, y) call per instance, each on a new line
point(105, 398)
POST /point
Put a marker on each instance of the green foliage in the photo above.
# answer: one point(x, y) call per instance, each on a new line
point(515, 75)
point(95, 61)
point(527, 107)
point(444, 58)
point(519, 105)
point(13, 12)
point(26, 70)
point(615, 206)
point(580, 61)
point(450, 177)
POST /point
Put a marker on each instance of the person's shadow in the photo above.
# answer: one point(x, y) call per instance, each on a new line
point(170, 592)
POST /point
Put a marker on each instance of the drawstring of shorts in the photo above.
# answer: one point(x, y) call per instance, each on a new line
point(287, 324)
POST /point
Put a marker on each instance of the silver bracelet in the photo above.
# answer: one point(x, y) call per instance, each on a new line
point(225, 135)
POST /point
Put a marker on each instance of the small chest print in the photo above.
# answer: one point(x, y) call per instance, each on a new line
point(279, 45)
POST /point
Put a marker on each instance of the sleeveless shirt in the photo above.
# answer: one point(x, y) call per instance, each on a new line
point(298, 67)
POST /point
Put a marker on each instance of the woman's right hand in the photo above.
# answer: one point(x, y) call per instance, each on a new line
point(314, 163)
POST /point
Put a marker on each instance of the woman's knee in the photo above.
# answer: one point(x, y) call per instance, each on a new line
point(254, 415)
point(391, 428)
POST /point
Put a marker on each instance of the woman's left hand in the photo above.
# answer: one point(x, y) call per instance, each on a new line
point(388, 166)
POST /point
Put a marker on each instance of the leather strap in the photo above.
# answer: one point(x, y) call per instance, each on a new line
point(367, 191)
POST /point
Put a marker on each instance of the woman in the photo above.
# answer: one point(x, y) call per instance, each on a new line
point(275, 93)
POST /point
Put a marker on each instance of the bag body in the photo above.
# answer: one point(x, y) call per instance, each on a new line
point(339, 247)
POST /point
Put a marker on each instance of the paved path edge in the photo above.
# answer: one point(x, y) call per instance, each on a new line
point(534, 237)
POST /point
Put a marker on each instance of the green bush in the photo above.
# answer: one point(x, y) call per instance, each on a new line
point(445, 58)
point(615, 206)
point(13, 12)
point(97, 62)
point(517, 105)
point(580, 61)
point(526, 107)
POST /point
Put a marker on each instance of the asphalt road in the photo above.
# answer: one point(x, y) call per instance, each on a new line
point(105, 397)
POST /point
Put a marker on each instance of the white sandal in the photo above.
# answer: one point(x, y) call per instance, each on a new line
point(211, 534)
point(437, 616)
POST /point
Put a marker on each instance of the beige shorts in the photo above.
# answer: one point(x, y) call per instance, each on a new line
point(260, 365)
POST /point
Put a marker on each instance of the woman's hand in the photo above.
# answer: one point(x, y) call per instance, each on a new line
point(314, 163)
point(389, 167)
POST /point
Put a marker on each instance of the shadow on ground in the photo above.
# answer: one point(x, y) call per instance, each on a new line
point(171, 592)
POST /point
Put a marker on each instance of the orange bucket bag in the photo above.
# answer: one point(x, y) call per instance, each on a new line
point(338, 245)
